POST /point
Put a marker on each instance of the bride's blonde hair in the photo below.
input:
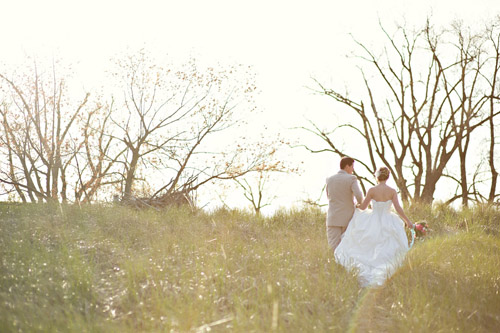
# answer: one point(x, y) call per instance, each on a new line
point(382, 173)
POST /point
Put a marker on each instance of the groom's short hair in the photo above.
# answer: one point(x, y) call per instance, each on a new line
point(345, 161)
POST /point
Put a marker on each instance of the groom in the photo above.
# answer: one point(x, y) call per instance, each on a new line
point(341, 188)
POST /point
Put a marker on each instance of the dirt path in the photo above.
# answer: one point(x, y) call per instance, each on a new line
point(370, 315)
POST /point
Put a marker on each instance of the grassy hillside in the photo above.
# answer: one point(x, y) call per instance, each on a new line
point(106, 269)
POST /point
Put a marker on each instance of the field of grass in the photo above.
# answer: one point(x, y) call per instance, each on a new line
point(114, 269)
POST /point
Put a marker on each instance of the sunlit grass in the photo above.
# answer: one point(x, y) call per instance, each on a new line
point(449, 283)
point(66, 268)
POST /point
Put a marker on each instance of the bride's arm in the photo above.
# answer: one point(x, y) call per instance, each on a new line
point(367, 200)
point(400, 210)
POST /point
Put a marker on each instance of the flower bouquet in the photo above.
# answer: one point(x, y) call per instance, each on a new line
point(419, 230)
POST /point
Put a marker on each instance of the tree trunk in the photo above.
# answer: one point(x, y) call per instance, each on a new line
point(129, 180)
point(463, 179)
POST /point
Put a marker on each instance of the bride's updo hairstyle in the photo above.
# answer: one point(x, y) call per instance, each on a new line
point(382, 173)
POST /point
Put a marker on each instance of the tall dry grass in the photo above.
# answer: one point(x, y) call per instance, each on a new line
point(107, 269)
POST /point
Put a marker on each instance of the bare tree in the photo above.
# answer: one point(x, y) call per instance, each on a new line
point(464, 83)
point(256, 186)
point(97, 156)
point(169, 125)
point(493, 42)
point(160, 141)
point(37, 120)
point(254, 193)
point(423, 102)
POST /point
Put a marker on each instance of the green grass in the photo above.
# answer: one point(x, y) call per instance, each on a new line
point(107, 269)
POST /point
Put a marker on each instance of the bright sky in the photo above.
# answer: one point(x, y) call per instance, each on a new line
point(287, 43)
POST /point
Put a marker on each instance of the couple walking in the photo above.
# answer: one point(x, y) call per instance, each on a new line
point(373, 242)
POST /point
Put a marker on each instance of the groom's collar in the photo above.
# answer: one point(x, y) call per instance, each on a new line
point(342, 171)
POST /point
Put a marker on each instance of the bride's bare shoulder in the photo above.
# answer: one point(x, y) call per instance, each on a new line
point(393, 191)
point(373, 191)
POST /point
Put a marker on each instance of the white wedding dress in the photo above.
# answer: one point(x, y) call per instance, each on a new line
point(374, 244)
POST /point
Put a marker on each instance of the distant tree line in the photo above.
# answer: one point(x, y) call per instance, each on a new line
point(154, 138)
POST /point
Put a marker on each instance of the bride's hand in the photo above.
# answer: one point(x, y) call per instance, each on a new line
point(409, 225)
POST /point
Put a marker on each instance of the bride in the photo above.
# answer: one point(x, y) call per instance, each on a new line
point(375, 241)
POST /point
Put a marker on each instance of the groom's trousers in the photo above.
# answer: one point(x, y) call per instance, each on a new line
point(334, 235)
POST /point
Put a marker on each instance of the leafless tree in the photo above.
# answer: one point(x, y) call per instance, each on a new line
point(254, 193)
point(169, 124)
point(169, 132)
point(256, 186)
point(95, 163)
point(37, 120)
point(493, 43)
point(466, 94)
point(424, 100)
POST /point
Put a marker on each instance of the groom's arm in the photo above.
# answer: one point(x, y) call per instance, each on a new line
point(367, 200)
point(357, 191)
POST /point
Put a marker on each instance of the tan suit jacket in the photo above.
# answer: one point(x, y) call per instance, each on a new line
point(341, 188)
